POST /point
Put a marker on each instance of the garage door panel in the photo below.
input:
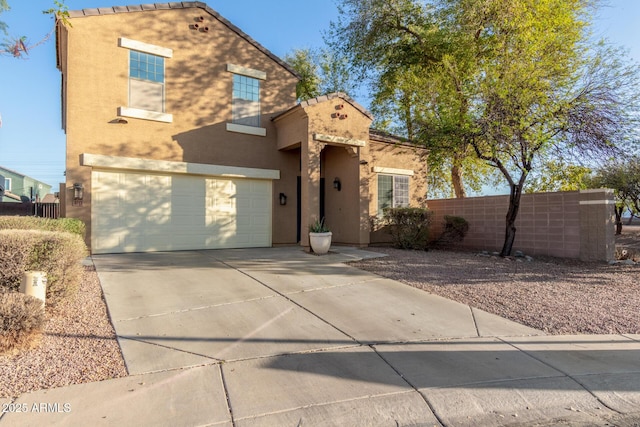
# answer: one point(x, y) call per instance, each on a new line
point(152, 212)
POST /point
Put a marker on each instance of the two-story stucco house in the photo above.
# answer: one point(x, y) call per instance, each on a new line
point(184, 133)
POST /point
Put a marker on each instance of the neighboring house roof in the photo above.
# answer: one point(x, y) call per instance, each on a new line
point(325, 98)
point(2, 168)
point(49, 198)
point(181, 5)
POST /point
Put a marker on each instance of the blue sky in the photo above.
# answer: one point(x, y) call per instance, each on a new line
point(31, 139)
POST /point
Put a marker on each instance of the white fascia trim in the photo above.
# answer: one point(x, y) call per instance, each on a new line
point(249, 72)
point(164, 166)
point(136, 113)
point(339, 140)
point(249, 130)
point(145, 47)
point(393, 171)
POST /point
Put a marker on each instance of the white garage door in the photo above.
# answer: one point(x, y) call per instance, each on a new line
point(141, 212)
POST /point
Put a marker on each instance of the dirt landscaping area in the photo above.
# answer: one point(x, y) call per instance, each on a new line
point(78, 346)
point(557, 296)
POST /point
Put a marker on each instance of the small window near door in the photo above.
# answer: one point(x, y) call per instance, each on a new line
point(393, 192)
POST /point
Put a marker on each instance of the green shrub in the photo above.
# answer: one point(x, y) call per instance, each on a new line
point(57, 254)
point(455, 229)
point(69, 225)
point(319, 227)
point(21, 321)
point(409, 227)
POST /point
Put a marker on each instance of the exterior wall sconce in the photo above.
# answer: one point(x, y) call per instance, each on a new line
point(283, 199)
point(337, 184)
point(78, 194)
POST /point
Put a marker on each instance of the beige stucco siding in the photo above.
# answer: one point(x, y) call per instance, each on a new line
point(404, 159)
point(198, 91)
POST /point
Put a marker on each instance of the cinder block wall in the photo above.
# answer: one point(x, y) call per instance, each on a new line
point(572, 224)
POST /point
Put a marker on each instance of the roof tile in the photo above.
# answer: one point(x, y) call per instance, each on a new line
point(91, 12)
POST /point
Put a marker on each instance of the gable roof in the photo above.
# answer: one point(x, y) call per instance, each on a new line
point(325, 98)
point(182, 5)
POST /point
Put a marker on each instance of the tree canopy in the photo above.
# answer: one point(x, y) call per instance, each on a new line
point(321, 71)
point(514, 82)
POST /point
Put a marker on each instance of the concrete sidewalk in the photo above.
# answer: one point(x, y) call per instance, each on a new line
point(278, 337)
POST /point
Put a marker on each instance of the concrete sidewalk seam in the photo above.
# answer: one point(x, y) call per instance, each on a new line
point(294, 353)
point(572, 378)
point(320, 405)
point(216, 360)
point(401, 375)
point(186, 310)
point(360, 282)
point(292, 302)
point(226, 395)
point(475, 321)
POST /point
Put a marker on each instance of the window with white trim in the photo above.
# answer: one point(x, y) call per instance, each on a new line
point(146, 81)
point(245, 100)
point(393, 192)
point(7, 184)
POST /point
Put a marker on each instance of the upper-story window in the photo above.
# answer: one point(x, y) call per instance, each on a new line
point(146, 81)
point(7, 184)
point(245, 102)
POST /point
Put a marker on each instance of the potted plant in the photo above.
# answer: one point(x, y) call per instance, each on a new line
point(319, 237)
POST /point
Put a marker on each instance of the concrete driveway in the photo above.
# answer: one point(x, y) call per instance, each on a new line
point(278, 337)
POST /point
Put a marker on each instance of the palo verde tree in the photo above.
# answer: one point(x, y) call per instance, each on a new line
point(515, 82)
point(19, 46)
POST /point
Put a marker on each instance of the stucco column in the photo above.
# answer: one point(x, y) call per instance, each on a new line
point(310, 187)
point(364, 179)
point(597, 225)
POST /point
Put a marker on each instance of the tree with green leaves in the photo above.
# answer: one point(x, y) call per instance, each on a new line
point(321, 72)
point(20, 46)
point(623, 176)
point(558, 175)
point(515, 82)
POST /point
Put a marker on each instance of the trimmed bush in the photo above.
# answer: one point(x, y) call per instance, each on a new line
point(21, 322)
point(455, 228)
point(58, 254)
point(409, 227)
point(69, 225)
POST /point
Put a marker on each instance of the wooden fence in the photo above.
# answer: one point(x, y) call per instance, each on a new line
point(43, 210)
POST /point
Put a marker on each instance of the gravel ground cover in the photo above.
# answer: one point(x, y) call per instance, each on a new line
point(557, 296)
point(78, 346)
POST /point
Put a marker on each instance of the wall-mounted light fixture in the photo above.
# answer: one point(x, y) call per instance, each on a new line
point(78, 194)
point(283, 199)
point(337, 184)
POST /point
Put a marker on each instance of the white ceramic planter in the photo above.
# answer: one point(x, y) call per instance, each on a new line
point(320, 242)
